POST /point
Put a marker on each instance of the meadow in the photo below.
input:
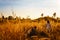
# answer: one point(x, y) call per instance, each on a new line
point(17, 29)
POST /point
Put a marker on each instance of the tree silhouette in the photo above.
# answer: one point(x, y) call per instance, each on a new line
point(42, 15)
point(54, 14)
point(2, 15)
point(10, 17)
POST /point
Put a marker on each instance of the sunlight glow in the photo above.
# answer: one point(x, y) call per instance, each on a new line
point(31, 8)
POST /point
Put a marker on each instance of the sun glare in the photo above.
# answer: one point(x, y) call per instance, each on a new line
point(58, 1)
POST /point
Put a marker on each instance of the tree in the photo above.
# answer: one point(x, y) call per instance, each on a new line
point(54, 14)
point(42, 15)
point(10, 17)
point(2, 15)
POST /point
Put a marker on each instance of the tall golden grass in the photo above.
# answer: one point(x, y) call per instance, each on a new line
point(16, 29)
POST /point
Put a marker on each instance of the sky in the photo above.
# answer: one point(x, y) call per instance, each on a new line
point(31, 8)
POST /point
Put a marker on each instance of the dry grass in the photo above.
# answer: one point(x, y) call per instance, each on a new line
point(16, 30)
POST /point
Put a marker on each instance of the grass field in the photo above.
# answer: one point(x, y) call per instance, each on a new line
point(17, 29)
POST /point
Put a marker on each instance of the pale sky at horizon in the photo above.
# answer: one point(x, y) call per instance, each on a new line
point(32, 8)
